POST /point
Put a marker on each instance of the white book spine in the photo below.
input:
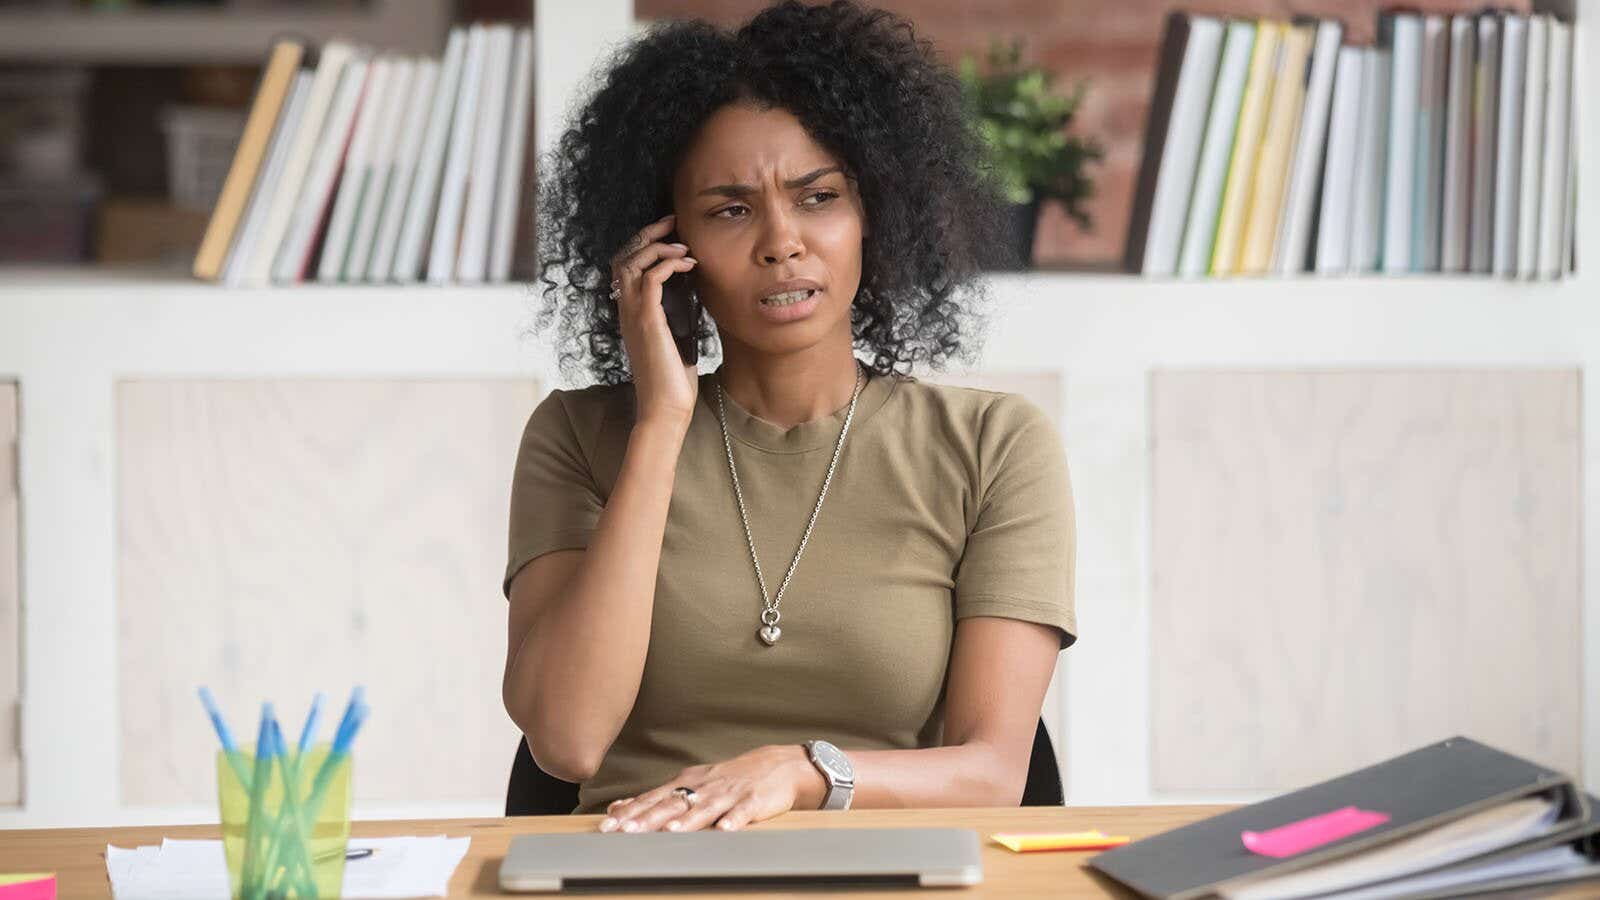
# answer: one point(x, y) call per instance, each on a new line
point(472, 262)
point(323, 86)
point(1425, 207)
point(452, 192)
point(1485, 114)
point(421, 205)
point(317, 191)
point(396, 95)
point(261, 195)
point(1372, 162)
point(1211, 174)
point(1508, 143)
point(1406, 71)
point(509, 183)
point(1457, 183)
point(355, 173)
point(398, 196)
point(1305, 172)
point(1185, 129)
point(1553, 180)
point(1532, 145)
point(1339, 173)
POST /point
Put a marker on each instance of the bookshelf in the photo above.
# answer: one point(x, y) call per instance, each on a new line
point(186, 35)
point(68, 335)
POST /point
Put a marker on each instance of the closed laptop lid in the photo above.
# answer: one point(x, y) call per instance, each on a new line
point(908, 857)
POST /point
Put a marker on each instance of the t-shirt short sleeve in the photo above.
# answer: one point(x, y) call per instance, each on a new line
point(555, 502)
point(1019, 556)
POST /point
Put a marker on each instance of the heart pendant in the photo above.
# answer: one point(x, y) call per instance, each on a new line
point(769, 634)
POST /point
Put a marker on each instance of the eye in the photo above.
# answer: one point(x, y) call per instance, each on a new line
point(824, 195)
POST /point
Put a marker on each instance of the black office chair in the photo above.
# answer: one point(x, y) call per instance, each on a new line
point(535, 792)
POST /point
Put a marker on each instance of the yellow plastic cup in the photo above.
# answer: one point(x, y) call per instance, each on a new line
point(292, 852)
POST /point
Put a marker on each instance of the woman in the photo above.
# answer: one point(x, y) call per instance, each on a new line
point(802, 580)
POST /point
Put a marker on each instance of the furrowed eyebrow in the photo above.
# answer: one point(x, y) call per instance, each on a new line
point(738, 190)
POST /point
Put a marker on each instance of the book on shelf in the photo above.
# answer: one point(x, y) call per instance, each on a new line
point(1211, 171)
point(1310, 147)
point(1246, 147)
point(376, 167)
point(1446, 145)
point(277, 80)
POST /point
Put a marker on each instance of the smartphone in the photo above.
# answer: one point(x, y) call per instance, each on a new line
point(682, 306)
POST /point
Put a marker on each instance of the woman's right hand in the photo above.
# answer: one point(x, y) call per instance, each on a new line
point(665, 387)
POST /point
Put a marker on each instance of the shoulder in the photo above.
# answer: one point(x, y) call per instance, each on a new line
point(584, 413)
point(976, 414)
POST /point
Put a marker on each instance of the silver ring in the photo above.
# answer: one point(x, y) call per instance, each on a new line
point(688, 794)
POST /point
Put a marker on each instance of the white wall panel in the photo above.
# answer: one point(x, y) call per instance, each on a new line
point(1348, 565)
point(10, 604)
point(276, 537)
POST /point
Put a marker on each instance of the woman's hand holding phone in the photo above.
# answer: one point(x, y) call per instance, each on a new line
point(665, 388)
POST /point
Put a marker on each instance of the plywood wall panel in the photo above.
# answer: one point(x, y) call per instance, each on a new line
point(280, 537)
point(1347, 565)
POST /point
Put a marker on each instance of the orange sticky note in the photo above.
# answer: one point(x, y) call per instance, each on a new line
point(1072, 840)
point(32, 886)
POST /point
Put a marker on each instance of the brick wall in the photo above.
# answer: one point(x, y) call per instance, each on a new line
point(1110, 43)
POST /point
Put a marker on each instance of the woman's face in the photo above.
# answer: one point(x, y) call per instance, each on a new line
point(759, 203)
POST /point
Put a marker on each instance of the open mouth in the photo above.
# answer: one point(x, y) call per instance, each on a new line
point(788, 299)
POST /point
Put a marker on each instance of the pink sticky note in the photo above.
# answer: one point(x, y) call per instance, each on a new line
point(1307, 834)
point(28, 887)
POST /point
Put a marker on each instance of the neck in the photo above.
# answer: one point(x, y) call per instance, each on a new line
point(793, 390)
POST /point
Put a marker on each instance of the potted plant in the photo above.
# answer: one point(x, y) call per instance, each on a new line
point(1023, 121)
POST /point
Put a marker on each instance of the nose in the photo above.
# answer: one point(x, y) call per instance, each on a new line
point(781, 242)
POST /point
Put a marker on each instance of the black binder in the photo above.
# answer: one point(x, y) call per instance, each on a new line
point(1418, 790)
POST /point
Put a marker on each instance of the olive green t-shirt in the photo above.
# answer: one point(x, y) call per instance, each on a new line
point(946, 502)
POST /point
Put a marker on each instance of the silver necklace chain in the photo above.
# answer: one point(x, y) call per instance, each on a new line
point(769, 631)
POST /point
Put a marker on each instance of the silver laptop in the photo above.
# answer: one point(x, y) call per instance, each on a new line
point(845, 857)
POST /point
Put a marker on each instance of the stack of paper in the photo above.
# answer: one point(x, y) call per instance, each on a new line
point(197, 870)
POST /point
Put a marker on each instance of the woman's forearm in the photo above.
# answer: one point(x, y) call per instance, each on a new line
point(972, 774)
point(578, 671)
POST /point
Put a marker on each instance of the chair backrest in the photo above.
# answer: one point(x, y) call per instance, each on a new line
point(534, 792)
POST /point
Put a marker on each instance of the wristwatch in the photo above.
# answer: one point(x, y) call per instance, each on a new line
point(836, 768)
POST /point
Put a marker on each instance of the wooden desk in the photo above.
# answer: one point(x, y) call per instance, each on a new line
point(77, 855)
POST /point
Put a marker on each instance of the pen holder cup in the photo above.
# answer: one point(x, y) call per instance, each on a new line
point(284, 844)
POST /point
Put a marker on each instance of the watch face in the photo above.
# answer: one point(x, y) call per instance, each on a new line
point(831, 758)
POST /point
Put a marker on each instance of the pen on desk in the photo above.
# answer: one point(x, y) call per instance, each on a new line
point(353, 853)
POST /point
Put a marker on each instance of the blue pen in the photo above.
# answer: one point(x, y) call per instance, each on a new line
point(355, 714)
point(285, 837)
point(226, 736)
point(310, 728)
point(254, 823)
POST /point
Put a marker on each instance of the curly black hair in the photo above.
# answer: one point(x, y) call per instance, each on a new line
point(867, 89)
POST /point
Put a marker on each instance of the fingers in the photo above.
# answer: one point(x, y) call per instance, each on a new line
point(741, 814)
point(708, 808)
point(669, 808)
point(640, 263)
point(621, 814)
point(642, 242)
point(658, 229)
point(659, 273)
